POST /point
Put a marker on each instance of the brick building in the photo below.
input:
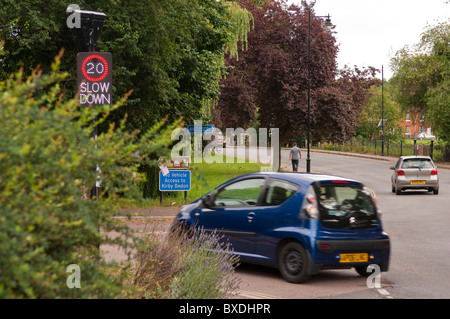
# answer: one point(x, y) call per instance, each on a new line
point(414, 124)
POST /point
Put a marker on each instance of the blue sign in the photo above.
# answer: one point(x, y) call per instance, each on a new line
point(175, 180)
point(201, 129)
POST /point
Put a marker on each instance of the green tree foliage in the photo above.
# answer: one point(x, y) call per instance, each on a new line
point(371, 115)
point(47, 169)
point(421, 77)
point(242, 23)
point(169, 52)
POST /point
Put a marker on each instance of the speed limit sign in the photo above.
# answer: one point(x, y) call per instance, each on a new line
point(94, 78)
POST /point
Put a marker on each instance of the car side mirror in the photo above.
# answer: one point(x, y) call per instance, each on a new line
point(208, 200)
point(392, 168)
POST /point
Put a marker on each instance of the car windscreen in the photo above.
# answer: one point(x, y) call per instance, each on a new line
point(417, 163)
point(346, 206)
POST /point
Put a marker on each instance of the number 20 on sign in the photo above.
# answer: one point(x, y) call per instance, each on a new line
point(94, 78)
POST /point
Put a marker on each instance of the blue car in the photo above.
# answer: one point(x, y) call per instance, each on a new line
point(298, 223)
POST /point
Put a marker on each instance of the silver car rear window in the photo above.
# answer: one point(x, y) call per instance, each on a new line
point(417, 163)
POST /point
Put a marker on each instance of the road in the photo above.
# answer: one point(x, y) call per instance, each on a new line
point(416, 221)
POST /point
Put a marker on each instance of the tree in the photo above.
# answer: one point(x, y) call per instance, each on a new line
point(271, 77)
point(421, 77)
point(340, 104)
point(370, 115)
point(438, 101)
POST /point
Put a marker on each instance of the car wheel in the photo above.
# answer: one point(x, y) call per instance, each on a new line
point(293, 263)
point(362, 270)
point(393, 188)
point(397, 191)
point(436, 191)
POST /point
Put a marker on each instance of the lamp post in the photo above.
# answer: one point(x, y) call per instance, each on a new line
point(328, 24)
point(382, 111)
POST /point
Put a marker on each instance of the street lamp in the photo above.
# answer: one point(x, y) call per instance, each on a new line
point(328, 24)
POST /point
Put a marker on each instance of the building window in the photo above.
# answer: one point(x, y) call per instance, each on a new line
point(408, 117)
point(408, 130)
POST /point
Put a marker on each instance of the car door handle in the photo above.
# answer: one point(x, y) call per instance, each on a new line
point(250, 216)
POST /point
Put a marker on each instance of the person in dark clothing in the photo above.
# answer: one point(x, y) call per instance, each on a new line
point(295, 155)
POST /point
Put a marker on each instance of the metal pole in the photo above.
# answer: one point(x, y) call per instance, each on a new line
point(431, 149)
point(91, 49)
point(382, 111)
point(308, 157)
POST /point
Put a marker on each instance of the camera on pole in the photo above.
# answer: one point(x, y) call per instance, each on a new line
point(86, 26)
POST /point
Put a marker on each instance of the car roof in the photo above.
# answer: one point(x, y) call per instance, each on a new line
point(415, 156)
point(300, 178)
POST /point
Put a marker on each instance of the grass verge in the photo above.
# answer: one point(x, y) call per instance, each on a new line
point(204, 178)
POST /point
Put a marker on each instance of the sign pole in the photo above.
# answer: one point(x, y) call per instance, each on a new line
point(94, 70)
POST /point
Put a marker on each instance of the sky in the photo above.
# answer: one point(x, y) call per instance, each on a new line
point(369, 32)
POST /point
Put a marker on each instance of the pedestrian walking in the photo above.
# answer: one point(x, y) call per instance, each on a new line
point(295, 155)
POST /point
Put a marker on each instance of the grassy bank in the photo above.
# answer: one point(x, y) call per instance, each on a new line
point(204, 178)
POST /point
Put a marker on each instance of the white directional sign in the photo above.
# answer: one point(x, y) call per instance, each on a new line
point(175, 180)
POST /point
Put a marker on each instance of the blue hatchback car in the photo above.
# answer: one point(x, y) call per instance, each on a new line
point(298, 223)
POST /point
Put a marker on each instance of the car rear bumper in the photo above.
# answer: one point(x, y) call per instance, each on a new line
point(418, 183)
point(329, 246)
point(328, 253)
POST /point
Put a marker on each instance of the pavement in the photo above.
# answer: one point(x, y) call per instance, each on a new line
point(159, 212)
point(142, 220)
point(370, 156)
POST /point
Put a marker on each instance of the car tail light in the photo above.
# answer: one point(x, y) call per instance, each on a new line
point(340, 182)
point(400, 173)
point(434, 172)
point(310, 208)
point(374, 200)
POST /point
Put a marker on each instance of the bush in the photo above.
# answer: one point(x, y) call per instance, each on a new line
point(194, 265)
point(157, 262)
point(207, 268)
point(47, 169)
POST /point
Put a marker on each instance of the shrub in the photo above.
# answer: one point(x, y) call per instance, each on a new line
point(156, 263)
point(207, 268)
point(47, 168)
point(194, 265)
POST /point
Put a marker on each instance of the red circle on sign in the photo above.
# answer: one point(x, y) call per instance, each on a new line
point(105, 72)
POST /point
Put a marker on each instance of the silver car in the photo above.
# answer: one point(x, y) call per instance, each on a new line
point(415, 172)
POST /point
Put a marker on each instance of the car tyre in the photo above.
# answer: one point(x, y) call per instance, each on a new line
point(293, 263)
point(435, 191)
point(362, 270)
point(398, 191)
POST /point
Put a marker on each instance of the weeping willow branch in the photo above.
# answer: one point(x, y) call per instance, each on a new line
point(243, 22)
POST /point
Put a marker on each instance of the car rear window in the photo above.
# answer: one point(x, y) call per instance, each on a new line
point(417, 163)
point(346, 206)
